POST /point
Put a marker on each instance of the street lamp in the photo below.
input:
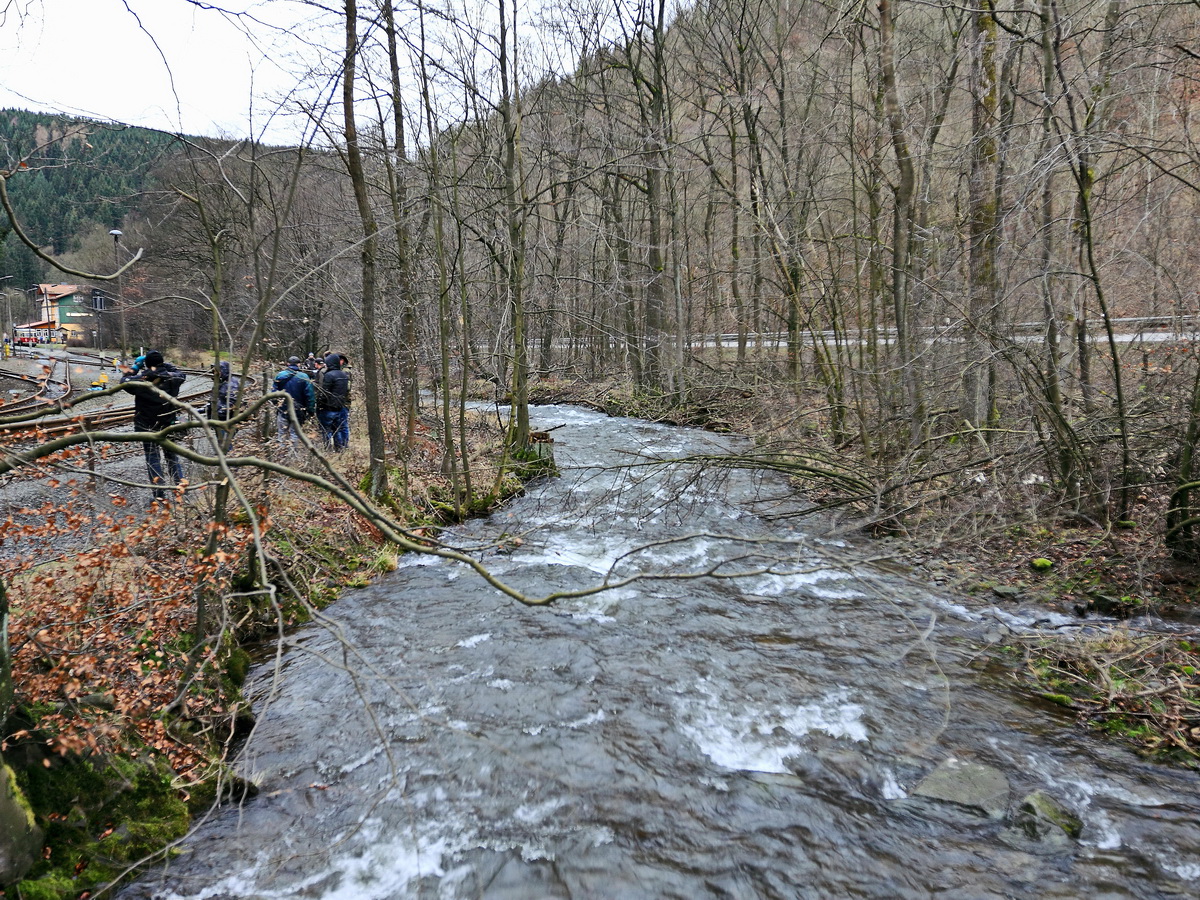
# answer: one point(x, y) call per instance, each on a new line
point(116, 236)
point(8, 319)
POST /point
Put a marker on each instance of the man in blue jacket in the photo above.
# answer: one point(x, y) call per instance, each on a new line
point(295, 384)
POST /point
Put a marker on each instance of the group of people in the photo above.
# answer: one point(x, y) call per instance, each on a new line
point(320, 389)
point(317, 388)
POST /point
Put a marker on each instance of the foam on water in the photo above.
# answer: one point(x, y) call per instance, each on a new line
point(590, 719)
point(474, 640)
point(756, 738)
point(539, 812)
point(388, 867)
point(1100, 831)
point(891, 788)
point(599, 558)
point(1189, 871)
point(824, 583)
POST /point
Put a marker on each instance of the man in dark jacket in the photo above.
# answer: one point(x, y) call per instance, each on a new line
point(154, 412)
point(333, 402)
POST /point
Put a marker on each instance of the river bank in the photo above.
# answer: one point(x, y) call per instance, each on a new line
point(124, 722)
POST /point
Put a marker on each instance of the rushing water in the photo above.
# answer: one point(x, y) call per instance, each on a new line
point(758, 736)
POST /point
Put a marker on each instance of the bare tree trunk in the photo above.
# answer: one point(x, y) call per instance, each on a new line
point(903, 194)
point(1066, 460)
point(7, 692)
point(464, 339)
point(978, 366)
point(1082, 169)
point(449, 461)
point(646, 57)
point(398, 184)
point(514, 207)
point(377, 472)
point(1181, 520)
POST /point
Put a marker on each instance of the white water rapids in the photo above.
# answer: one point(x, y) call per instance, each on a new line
point(689, 737)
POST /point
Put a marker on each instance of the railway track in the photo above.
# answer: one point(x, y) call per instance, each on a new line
point(34, 415)
point(46, 389)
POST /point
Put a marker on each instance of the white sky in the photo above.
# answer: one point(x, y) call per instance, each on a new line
point(93, 58)
point(223, 68)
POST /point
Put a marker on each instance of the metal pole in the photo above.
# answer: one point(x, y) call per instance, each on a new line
point(116, 236)
point(8, 319)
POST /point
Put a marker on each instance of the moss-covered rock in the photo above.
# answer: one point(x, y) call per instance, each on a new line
point(237, 666)
point(99, 816)
point(1040, 815)
point(20, 837)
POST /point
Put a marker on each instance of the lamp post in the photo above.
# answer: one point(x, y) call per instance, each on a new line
point(8, 319)
point(116, 236)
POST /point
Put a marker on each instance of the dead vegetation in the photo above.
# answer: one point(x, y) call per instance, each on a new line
point(1141, 688)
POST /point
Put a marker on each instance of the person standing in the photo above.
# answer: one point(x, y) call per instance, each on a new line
point(333, 402)
point(299, 387)
point(227, 391)
point(152, 411)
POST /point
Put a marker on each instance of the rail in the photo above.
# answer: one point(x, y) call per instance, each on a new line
point(51, 425)
point(43, 385)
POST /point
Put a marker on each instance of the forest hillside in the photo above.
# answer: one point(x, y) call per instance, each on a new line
point(78, 177)
point(935, 261)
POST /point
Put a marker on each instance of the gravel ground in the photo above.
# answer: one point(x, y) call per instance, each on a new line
point(116, 485)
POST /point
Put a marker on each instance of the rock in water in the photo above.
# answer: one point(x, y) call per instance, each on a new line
point(974, 785)
point(1041, 817)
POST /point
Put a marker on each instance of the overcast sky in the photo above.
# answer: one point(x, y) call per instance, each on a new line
point(188, 67)
point(158, 63)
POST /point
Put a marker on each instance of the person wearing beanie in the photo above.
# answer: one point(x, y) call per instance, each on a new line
point(152, 411)
point(333, 402)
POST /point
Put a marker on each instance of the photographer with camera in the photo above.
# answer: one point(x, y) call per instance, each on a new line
point(154, 412)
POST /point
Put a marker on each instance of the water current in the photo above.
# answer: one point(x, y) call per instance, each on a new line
point(678, 737)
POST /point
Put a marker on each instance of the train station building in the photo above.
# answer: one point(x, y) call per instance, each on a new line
point(67, 314)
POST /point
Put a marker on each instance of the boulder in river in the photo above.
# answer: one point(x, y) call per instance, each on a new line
point(1040, 816)
point(974, 785)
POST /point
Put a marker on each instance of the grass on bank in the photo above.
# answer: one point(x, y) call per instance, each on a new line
point(1140, 688)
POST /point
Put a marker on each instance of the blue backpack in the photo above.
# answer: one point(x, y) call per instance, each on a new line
point(298, 386)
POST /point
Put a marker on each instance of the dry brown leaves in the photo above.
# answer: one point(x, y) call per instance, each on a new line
point(100, 636)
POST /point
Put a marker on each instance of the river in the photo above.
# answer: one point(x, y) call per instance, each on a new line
point(758, 736)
